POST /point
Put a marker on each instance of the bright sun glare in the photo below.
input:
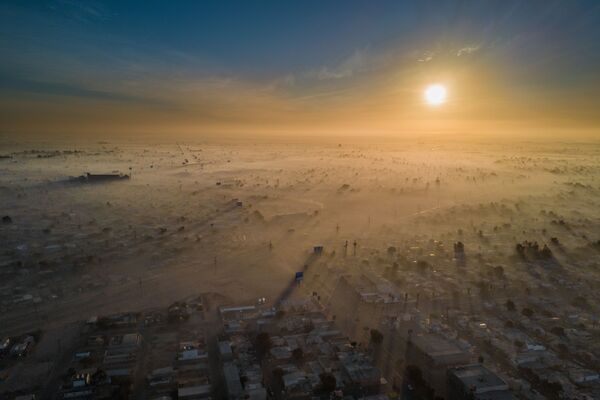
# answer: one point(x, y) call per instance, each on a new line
point(435, 94)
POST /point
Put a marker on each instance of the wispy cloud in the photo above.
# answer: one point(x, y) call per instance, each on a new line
point(281, 82)
point(357, 62)
point(426, 56)
point(85, 11)
point(468, 50)
point(17, 85)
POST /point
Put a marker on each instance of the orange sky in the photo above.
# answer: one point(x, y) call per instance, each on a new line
point(74, 70)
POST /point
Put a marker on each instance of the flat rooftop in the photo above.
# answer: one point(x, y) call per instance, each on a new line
point(484, 383)
point(436, 346)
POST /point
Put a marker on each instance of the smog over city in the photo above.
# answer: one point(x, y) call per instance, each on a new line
point(300, 200)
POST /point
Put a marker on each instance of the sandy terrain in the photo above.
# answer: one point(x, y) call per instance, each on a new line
point(73, 250)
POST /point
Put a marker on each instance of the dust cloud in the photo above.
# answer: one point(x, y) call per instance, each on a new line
point(445, 224)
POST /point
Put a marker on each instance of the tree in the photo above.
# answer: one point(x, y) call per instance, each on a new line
point(546, 253)
point(263, 342)
point(528, 312)
point(499, 271)
point(395, 266)
point(298, 354)
point(376, 336)
point(558, 331)
point(328, 382)
point(278, 376)
point(580, 302)
point(414, 375)
point(520, 250)
point(563, 350)
point(510, 305)
point(459, 249)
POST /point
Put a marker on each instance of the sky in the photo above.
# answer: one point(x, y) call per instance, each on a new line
point(299, 68)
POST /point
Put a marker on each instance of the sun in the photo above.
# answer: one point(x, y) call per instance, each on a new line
point(435, 94)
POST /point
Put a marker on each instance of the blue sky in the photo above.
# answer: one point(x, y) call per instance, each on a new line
point(201, 64)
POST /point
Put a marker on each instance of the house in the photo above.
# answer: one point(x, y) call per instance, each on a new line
point(194, 392)
point(359, 374)
point(582, 376)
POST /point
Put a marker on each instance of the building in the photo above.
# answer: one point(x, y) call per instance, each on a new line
point(120, 357)
point(194, 392)
point(476, 382)
point(434, 355)
point(359, 374)
point(225, 351)
point(360, 300)
point(238, 313)
point(232, 381)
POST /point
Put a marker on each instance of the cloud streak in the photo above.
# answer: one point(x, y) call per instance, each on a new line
point(467, 50)
point(354, 64)
point(83, 11)
point(17, 85)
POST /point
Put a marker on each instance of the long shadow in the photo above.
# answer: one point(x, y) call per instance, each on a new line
point(67, 183)
point(289, 289)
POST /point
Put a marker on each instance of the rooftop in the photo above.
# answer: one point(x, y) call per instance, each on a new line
point(484, 383)
point(193, 391)
point(436, 346)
